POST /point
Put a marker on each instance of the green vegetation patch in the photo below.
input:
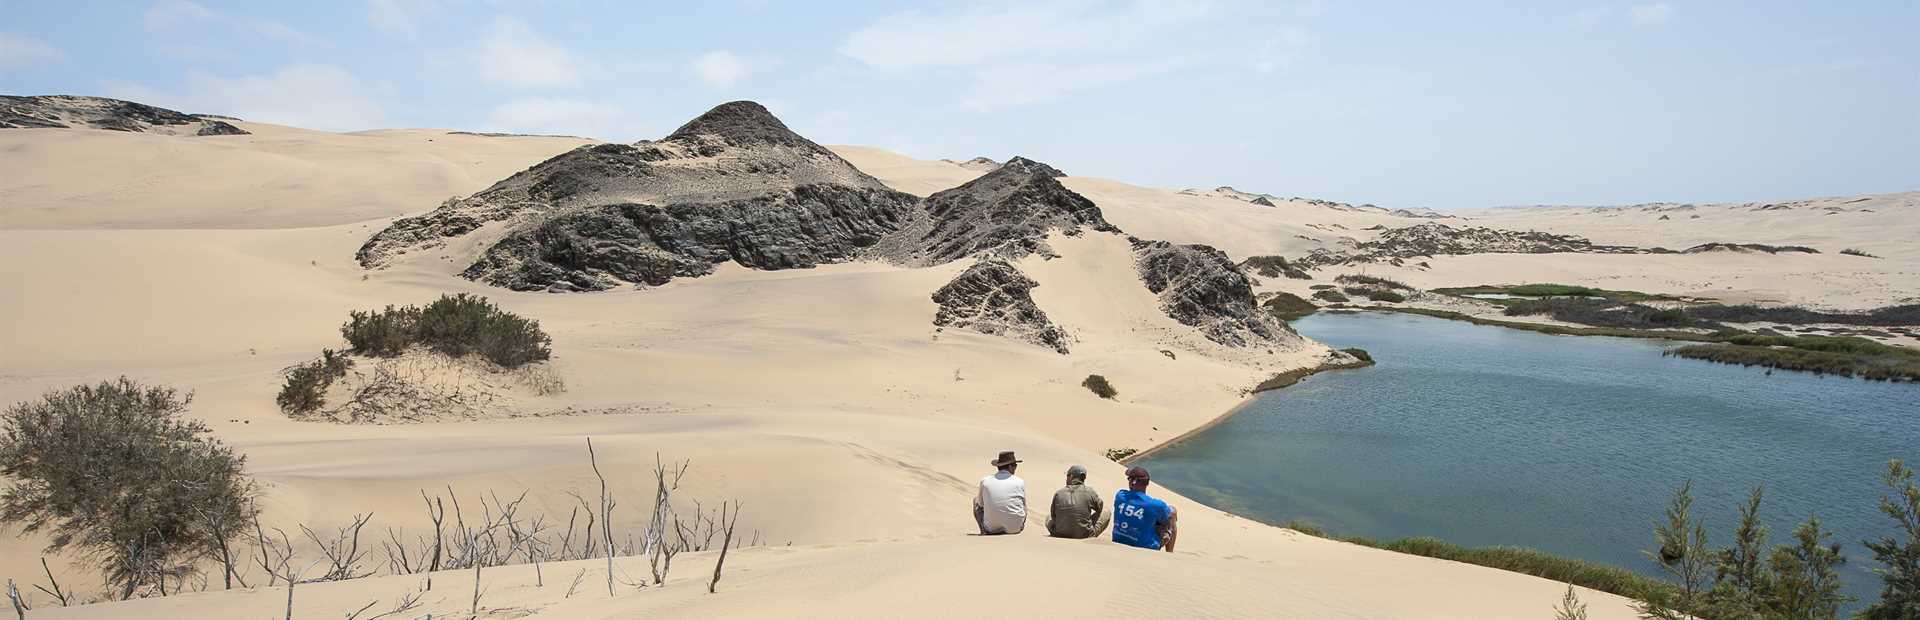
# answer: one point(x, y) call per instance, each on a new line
point(1288, 306)
point(307, 383)
point(455, 325)
point(1099, 386)
point(1331, 296)
point(1846, 356)
point(1594, 575)
point(1366, 280)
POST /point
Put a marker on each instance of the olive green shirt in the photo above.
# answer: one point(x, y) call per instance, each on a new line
point(1078, 512)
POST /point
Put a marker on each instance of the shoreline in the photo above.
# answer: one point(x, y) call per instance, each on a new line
point(1290, 377)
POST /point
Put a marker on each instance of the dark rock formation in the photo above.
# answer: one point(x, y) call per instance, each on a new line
point(1748, 247)
point(983, 164)
point(733, 184)
point(1006, 213)
point(993, 297)
point(1395, 245)
point(1273, 267)
point(1262, 201)
point(1200, 287)
point(61, 111)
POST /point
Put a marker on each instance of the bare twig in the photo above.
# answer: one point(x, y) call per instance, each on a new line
point(725, 543)
point(56, 592)
point(606, 512)
point(19, 606)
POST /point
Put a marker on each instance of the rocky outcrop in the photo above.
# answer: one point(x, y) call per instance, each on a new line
point(1262, 201)
point(64, 111)
point(733, 184)
point(1200, 287)
point(981, 164)
point(1395, 245)
point(1006, 213)
point(993, 297)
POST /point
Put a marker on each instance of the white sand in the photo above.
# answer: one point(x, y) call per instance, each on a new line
point(821, 398)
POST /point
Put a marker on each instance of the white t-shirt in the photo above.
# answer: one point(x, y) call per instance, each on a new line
point(1004, 499)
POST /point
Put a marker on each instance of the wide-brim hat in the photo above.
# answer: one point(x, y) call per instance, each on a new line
point(1006, 458)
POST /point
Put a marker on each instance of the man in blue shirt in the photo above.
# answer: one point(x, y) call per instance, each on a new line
point(1140, 520)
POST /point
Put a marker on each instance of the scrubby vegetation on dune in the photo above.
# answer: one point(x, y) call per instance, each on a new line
point(1889, 316)
point(1330, 295)
point(1551, 290)
point(1366, 280)
point(1099, 386)
point(1386, 296)
point(118, 472)
point(1274, 266)
point(1857, 252)
point(1605, 313)
point(455, 326)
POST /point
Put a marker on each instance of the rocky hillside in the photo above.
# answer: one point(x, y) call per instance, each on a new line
point(982, 164)
point(733, 184)
point(994, 297)
point(1200, 287)
point(64, 111)
point(1396, 245)
point(1270, 200)
point(1007, 212)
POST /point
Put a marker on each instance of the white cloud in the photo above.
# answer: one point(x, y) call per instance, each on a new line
point(720, 68)
point(19, 52)
point(1650, 14)
point(1022, 53)
point(1280, 51)
point(308, 96)
point(577, 117)
point(173, 15)
point(400, 17)
point(512, 54)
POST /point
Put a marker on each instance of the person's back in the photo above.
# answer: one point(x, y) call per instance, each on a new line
point(1140, 520)
point(1001, 505)
point(1077, 510)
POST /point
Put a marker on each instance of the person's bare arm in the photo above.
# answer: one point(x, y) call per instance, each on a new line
point(1172, 535)
point(1101, 518)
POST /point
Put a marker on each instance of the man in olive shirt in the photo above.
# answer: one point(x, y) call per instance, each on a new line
point(1078, 511)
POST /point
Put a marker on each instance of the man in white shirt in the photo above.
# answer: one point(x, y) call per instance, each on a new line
point(1001, 505)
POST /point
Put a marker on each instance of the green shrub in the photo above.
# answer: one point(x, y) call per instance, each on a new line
point(1289, 306)
point(1099, 386)
point(455, 325)
point(1554, 290)
point(1359, 353)
point(1306, 527)
point(1359, 279)
point(381, 333)
point(307, 383)
point(1322, 287)
point(1386, 296)
point(1330, 296)
point(1899, 553)
point(1120, 454)
point(117, 471)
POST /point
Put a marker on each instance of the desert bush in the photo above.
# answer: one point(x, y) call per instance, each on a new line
point(1322, 287)
point(1554, 290)
point(1330, 296)
point(1099, 386)
point(455, 325)
point(1366, 280)
point(307, 383)
point(381, 333)
point(1120, 454)
point(460, 324)
point(1899, 554)
point(117, 471)
point(1359, 353)
point(1386, 296)
point(1288, 306)
point(1857, 252)
point(1272, 266)
point(1889, 316)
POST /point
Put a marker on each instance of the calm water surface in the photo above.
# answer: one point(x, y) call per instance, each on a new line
point(1490, 436)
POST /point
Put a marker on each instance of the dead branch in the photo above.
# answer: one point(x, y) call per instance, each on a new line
point(725, 543)
point(56, 592)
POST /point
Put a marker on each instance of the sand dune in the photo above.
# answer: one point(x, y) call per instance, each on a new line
point(822, 398)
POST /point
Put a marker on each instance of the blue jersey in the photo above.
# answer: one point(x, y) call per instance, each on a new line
point(1137, 517)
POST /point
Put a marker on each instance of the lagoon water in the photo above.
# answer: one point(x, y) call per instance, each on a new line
point(1491, 436)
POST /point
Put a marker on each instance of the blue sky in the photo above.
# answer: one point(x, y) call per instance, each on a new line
point(1402, 104)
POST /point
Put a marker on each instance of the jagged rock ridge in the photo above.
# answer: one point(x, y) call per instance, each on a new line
point(63, 111)
point(733, 184)
point(1007, 212)
point(1200, 287)
point(993, 297)
point(982, 164)
point(1394, 245)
